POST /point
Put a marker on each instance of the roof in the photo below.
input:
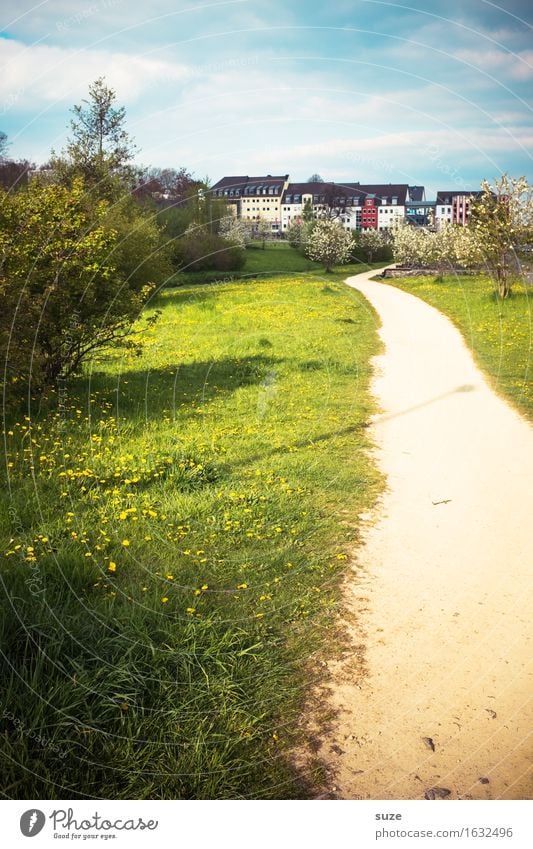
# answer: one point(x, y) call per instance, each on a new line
point(446, 197)
point(382, 190)
point(333, 193)
point(249, 186)
point(230, 183)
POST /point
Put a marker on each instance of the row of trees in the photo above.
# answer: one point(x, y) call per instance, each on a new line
point(497, 238)
point(325, 240)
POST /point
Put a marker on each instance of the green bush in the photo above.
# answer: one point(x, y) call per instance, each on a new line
point(205, 251)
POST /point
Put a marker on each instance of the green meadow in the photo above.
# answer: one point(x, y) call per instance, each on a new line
point(174, 528)
point(499, 332)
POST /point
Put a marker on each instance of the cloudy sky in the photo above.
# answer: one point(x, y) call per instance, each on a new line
point(422, 92)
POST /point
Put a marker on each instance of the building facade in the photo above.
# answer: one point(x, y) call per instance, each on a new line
point(453, 207)
point(357, 206)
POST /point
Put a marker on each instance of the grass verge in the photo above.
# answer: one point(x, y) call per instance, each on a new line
point(275, 259)
point(499, 332)
point(174, 527)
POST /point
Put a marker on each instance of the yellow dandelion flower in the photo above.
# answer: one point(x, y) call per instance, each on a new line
point(164, 599)
point(125, 542)
point(112, 566)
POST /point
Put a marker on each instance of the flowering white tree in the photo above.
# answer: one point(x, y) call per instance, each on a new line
point(297, 233)
point(234, 230)
point(444, 249)
point(413, 246)
point(371, 241)
point(500, 226)
point(329, 243)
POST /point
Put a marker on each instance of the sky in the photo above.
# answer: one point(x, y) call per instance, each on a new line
point(427, 93)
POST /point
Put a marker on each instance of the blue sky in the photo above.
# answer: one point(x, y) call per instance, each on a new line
point(420, 92)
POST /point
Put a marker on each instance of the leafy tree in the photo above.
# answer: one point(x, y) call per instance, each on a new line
point(315, 178)
point(329, 243)
point(14, 174)
point(298, 233)
point(263, 230)
point(4, 144)
point(372, 242)
point(200, 250)
point(100, 150)
point(501, 225)
point(70, 283)
point(166, 186)
point(307, 212)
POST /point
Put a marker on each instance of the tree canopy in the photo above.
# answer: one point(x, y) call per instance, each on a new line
point(100, 149)
point(3, 144)
point(501, 225)
point(75, 274)
point(329, 243)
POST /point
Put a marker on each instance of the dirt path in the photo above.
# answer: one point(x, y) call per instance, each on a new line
point(442, 590)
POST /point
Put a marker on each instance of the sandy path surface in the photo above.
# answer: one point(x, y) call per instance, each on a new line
point(442, 586)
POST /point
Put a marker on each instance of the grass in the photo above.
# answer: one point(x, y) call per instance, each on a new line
point(499, 332)
point(174, 526)
point(277, 258)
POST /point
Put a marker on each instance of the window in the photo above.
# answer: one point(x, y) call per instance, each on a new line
point(394, 201)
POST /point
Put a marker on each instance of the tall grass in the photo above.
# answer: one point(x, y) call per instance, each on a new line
point(499, 331)
point(174, 526)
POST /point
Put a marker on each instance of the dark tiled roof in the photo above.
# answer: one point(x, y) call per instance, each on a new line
point(249, 186)
point(446, 197)
point(269, 179)
point(382, 190)
point(230, 183)
point(334, 194)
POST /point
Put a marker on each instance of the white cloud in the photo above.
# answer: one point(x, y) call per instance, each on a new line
point(38, 75)
point(517, 66)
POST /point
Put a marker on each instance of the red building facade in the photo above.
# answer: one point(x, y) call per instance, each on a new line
point(369, 214)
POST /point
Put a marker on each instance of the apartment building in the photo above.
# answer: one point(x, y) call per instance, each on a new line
point(357, 206)
point(453, 207)
point(254, 199)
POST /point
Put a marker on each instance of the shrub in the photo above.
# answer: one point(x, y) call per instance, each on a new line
point(201, 251)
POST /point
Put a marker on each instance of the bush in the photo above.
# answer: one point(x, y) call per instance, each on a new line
point(200, 251)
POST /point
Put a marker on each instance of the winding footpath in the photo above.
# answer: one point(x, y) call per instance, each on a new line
point(441, 695)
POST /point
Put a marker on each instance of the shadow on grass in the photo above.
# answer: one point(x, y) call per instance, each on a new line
point(302, 443)
point(182, 387)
